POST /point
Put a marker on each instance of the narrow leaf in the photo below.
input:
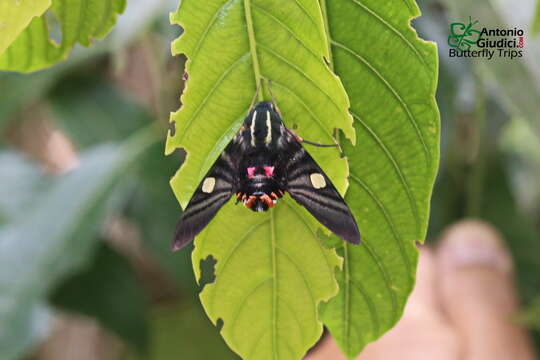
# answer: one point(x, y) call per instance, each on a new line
point(391, 78)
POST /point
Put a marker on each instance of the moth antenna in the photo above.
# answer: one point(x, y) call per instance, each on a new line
point(320, 145)
point(272, 96)
point(302, 140)
point(255, 97)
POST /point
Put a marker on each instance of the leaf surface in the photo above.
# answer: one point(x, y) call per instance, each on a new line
point(15, 17)
point(391, 78)
point(271, 271)
point(79, 21)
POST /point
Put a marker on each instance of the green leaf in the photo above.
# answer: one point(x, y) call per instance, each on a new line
point(15, 17)
point(109, 291)
point(271, 271)
point(63, 221)
point(79, 21)
point(393, 167)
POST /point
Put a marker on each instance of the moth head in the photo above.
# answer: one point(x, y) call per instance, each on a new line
point(264, 106)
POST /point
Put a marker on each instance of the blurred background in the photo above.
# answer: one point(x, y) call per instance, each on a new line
point(106, 227)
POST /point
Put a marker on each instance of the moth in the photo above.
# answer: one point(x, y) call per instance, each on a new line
point(262, 162)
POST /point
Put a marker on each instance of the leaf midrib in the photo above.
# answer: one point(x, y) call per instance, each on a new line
point(253, 46)
point(274, 283)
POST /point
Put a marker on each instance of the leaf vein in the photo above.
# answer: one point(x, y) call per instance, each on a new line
point(397, 168)
point(379, 263)
point(394, 30)
point(225, 260)
point(394, 91)
point(274, 249)
point(315, 236)
point(82, 19)
point(254, 346)
point(207, 29)
point(249, 294)
point(370, 304)
point(253, 45)
point(286, 28)
point(388, 219)
point(301, 101)
point(347, 300)
point(302, 73)
point(210, 93)
point(304, 10)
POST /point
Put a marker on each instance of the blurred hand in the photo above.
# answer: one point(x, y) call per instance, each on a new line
point(461, 308)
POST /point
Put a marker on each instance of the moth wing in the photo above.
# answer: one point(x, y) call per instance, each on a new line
point(307, 183)
point(213, 192)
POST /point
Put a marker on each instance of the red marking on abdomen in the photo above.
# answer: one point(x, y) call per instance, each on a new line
point(269, 171)
point(267, 200)
point(250, 172)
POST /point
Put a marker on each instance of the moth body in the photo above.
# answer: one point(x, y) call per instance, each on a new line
point(262, 162)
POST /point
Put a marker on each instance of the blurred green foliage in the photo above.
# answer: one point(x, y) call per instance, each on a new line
point(56, 247)
point(50, 36)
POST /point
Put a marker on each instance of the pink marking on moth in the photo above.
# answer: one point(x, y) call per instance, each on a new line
point(269, 171)
point(251, 172)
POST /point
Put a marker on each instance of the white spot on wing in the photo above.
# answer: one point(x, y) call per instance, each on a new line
point(317, 180)
point(208, 185)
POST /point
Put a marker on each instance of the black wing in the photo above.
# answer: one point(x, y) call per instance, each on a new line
point(308, 185)
point(213, 192)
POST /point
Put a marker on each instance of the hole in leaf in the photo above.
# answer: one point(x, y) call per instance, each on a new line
point(326, 61)
point(219, 324)
point(172, 128)
point(54, 27)
point(180, 153)
point(208, 268)
point(329, 241)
